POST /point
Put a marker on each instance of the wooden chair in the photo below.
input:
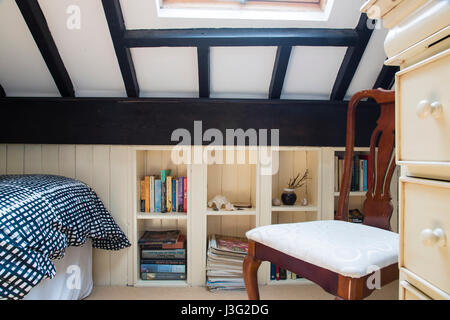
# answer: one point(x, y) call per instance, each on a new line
point(343, 258)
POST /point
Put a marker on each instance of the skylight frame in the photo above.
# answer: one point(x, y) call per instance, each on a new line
point(319, 11)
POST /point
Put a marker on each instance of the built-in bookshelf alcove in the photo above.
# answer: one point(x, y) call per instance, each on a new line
point(149, 161)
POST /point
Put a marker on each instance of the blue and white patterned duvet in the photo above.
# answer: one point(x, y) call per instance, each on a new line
point(40, 216)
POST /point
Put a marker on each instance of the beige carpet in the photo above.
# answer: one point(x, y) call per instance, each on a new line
point(273, 292)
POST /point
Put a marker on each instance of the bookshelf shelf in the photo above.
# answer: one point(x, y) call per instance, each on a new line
point(353, 194)
point(294, 208)
point(161, 283)
point(157, 215)
point(243, 212)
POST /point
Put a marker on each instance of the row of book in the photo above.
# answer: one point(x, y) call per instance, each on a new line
point(277, 273)
point(163, 255)
point(225, 259)
point(164, 193)
point(360, 178)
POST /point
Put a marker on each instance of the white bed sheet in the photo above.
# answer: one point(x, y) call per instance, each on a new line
point(64, 286)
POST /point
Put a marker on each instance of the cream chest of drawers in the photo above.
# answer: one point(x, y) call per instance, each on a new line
point(418, 41)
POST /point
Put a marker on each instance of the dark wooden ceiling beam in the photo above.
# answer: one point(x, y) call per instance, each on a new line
point(203, 71)
point(151, 121)
point(351, 60)
point(34, 18)
point(2, 92)
point(240, 37)
point(386, 78)
point(279, 71)
point(117, 27)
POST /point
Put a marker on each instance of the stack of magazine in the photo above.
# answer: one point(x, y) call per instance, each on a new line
point(224, 262)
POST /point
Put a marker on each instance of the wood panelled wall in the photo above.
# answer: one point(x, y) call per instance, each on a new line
point(105, 168)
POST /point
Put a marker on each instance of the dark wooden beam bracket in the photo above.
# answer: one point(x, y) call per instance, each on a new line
point(351, 60)
point(386, 78)
point(34, 18)
point(203, 71)
point(279, 71)
point(116, 24)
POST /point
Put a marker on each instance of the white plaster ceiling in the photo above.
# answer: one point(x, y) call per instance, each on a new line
point(236, 72)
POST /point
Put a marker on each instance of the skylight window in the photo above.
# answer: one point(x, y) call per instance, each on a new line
point(298, 5)
point(307, 10)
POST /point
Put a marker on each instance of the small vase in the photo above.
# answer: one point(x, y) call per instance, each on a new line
point(288, 197)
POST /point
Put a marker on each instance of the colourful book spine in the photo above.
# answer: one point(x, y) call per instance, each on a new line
point(152, 193)
point(142, 195)
point(174, 195)
point(162, 276)
point(169, 194)
point(277, 273)
point(163, 191)
point(288, 275)
point(175, 268)
point(273, 272)
point(180, 194)
point(157, 195)
point(361, 175)
point(147, 193)
point(365, 175)
point(184, 194)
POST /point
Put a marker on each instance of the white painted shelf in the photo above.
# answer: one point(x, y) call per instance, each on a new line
point(294, 208)
point(353, 193)
point(158, 215)
point(243, 212)
point(161, 283)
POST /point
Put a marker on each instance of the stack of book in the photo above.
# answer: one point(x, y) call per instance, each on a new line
point(164, 193)
point(360, 177)
point(224, 263)
point(163, 255)
point(277, 273)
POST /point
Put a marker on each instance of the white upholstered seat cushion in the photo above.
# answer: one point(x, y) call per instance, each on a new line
point(353, 250)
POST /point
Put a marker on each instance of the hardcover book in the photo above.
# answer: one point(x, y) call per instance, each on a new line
point(174, 194)
point(169, 194)
point(159, 237)
point(163, 254)
point(180, 194)
point(172, 268)
point(184, 194)
point(152, 193)
point(142, 195)
point(162, 276)
point(163, 261)
point(157, 195)
point(147, 193)
point(180, 244)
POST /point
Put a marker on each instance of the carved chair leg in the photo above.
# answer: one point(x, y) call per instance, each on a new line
point(251, 266)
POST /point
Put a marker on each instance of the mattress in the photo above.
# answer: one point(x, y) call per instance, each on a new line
point(73, 280)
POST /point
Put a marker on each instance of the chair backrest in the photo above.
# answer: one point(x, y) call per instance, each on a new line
point(377, 206)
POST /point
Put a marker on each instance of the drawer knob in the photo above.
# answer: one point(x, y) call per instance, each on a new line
point(425, 108)
point(434, 237)
point(436, 109)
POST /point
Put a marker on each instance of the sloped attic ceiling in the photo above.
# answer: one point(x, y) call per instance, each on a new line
point(235, 72)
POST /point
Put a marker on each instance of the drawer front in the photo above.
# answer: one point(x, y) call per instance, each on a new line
point(424, 225)
point(409, 292)
point(423, 110)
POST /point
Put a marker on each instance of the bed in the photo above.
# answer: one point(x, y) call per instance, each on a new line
point(65, 285)
point(48, 227)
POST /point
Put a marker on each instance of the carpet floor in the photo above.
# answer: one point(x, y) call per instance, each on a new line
point(272, 292)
